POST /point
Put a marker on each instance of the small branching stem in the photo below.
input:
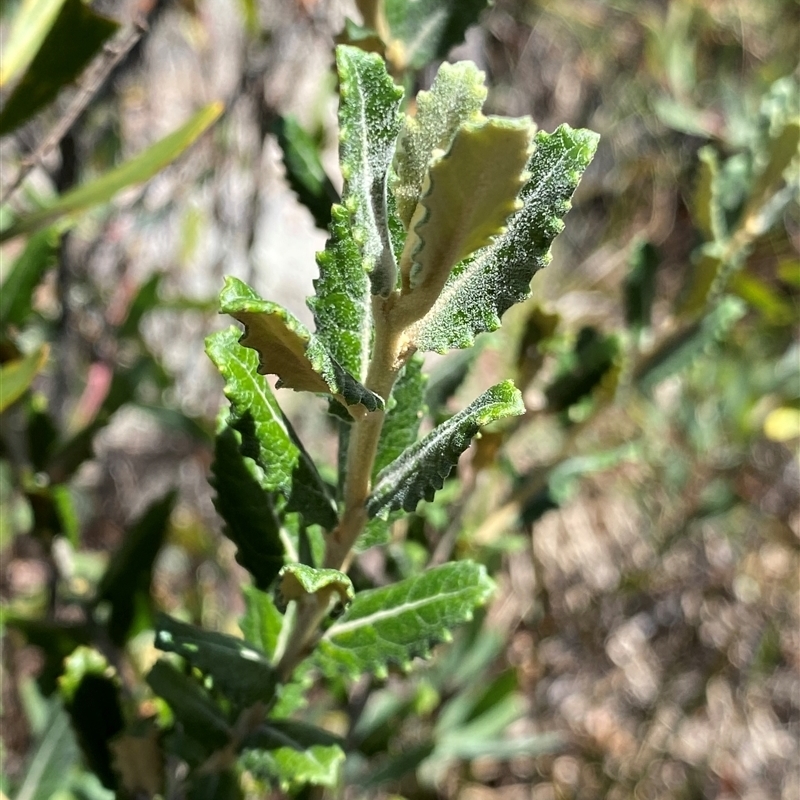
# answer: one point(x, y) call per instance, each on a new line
point(388, 357)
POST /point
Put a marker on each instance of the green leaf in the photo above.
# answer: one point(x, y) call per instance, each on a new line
point(267, 436)
point(404, 415)
point(16, 292)
point(287, 349)
point(138, 170)
point(396, 623)
point(92, 697)
point(34, 18)
point(783, 150)
point(195, 712)
point(247, 508)
point(342, 305)
point(456, 97)
point(52, 759)
point(468, 195)
point(422, 468)
point(639, 288)
point(304, 171)
point(592, 358)
point(480, 290)
point(297, 581)
point(262, 622)
point(292, 754)
point(126, 581)
point(707, 211)
point(679, 350)
point(369, 123)
point(238, 671)
point(16, 376)
point(69, 45)
point(424, 30)
point(709, 263)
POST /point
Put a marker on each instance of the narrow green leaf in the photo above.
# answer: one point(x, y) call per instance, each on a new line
point(195, 712)
point(16, 376)
point(75, 36)
point(54, 755)
point(683, 347)
point(267, 436)
point(782, 149)
point(287, 349)
point(709, 216)
point(241, 673)
point(709, 264)
point(247, 508)
point(369, 123)
point(126, 581)
point(639, 289)
point(468, 195)
point(456, 96)
point(342, 305)
point(404, 415)
point(427, 29)
point(304, 171)
point(138, 170)
point(16, 293)
point(480, 290)
point(34, 18)
point(422, 468)
point(262, 622)
point(291, 754)
point(396, 623)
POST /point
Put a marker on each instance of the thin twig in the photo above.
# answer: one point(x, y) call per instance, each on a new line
point(95, 76)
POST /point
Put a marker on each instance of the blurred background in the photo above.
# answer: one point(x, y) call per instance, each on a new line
point(642, 519)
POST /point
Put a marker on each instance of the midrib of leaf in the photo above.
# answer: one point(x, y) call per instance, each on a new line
point(388, 613)
point(415, 44)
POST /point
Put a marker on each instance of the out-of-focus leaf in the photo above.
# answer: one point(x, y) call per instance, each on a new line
point(776, 309)
point(393, 624)
point(707, 210)
point(419, 471)
point(16, 293)
point(247, 508)
point(539, 328)
point(681, 349)
point(241, 673)
point(267, 436)
point(92, 700)
point(593, 358)
point(446, 378)
point(369, 122)
point(75, 36)
point(138, 760)
point(783, 149)
point(145, 300)
point(304, 170)
point(126, 582)
point(262, 622)
point(707, 267)
point(138, 170)
point(33, 20)
point(291, 754)
point(195, 713)
point(223, 785)
point(422, 31)
point(16, 376)
point(287, 349)
point(640, 285)
point(53, 757)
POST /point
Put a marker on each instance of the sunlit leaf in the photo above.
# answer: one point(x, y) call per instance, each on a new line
point(16, 376)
